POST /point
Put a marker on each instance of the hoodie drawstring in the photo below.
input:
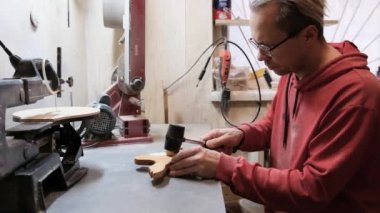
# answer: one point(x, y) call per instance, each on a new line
point(286, 115)
point(295, 106)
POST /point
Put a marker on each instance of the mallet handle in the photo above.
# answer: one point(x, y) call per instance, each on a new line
point(202, 143)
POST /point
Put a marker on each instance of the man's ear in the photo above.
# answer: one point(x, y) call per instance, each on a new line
point(311, 33)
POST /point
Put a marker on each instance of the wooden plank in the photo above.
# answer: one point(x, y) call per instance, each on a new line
point(246, 95)
point(232, 22)
point(330, 22)
point(165, 52)
point(245, 22)
point(53, 114)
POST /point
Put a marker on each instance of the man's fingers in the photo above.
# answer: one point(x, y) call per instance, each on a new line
point(217, 142)
point(184, 163)
point(185, 153)
point(210, 135)
point(181, 172)
point(213, 143)
point(197, 161)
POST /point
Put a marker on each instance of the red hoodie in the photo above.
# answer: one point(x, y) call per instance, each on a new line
point(329, 161)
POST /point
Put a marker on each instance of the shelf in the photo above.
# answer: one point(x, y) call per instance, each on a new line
point(247, 95)
point(331, 22)
point(245, 22)
point(233, 22)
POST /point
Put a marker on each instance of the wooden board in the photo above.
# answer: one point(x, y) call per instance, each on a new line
point(158, 163)
point(54, 114)
point(245, 22)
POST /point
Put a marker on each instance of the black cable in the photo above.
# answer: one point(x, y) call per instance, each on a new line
point(206, 65)
point(226, 94)
point(192, 66)
point(200, 77)
point(14, 59)
point(9, 53)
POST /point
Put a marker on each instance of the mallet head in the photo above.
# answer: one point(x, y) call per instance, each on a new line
point(173, 139)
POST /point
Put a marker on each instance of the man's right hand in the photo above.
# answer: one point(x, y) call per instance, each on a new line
point(224, 140)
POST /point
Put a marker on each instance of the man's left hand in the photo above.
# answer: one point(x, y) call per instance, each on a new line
point(195, 161)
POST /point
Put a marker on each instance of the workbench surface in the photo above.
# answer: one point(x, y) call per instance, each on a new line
point(115, 184)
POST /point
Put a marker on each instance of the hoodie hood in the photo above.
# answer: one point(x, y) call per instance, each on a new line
point(350, 59)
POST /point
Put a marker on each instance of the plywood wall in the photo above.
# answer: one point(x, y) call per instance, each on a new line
point(178, 31)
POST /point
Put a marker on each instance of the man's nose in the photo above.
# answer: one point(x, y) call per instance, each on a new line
point(261, 56)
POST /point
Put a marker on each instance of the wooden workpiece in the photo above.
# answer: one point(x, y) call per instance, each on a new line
point(54, 114)
point(158, 162)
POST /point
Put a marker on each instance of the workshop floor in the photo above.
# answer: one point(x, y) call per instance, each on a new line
point(237, 204)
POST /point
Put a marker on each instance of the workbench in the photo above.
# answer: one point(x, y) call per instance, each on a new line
point(115, 184)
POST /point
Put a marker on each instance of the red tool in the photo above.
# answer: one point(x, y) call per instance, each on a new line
point(225, 65)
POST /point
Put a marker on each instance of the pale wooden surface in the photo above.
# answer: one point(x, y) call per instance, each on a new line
point(158, 163)
point(54, 114)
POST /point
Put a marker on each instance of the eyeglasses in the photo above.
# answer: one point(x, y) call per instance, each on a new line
point(268, 50)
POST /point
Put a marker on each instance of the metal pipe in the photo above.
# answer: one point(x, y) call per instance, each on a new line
point(352, 18)
point(247, 43)
point(370, 43)
point(366, 21)
point(374, 60)
point(340, 19)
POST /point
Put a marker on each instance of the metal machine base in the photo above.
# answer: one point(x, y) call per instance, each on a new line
point(133, 129)
point(26, 189)
point(55, 168)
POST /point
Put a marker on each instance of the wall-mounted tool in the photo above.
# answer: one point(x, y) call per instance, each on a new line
point(225, 65)
point(224, 71)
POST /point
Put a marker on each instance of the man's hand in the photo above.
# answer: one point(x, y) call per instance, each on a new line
point(223, 139)
point(195, 161)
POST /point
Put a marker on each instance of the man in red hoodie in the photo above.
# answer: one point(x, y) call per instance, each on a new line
point(322, 129)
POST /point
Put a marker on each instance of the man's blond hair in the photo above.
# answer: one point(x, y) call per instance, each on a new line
point(294, 14)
